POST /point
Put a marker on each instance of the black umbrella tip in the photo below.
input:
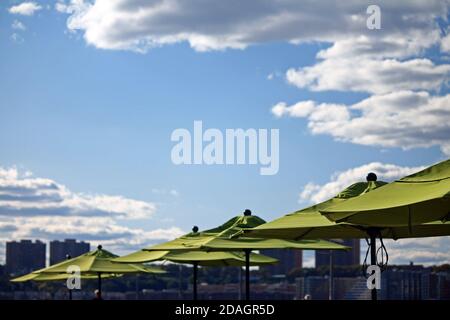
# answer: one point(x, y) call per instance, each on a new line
point(371, 177)
point(99, 247)
point(247, 212)
point(195, 229)
point(68, 256)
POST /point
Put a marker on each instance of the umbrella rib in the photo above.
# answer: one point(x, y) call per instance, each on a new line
point(304, 234)
point(91, 263)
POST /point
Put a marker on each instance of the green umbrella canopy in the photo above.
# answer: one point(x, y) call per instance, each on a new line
point(202, 258)
point(225, 238)
point(99, 261)
point(44, 277)
point(309, 223)
point(314, 225)
point(418, 198)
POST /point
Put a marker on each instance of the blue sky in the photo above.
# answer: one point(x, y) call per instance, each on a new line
point(91, 107)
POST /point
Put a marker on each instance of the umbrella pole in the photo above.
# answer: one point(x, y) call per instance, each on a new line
point(240, 283)
point(247, 274)
point(99, 284)
point(68, 257)
point(137, 286)
point(194, 284)
point(180, 281)
point(373, 260)
point(331, 287)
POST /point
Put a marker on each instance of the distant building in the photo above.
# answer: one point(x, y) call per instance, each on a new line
point(340, 258)
point(24, 256)
point(60, 249)
point(288, 260)
point(414, 282)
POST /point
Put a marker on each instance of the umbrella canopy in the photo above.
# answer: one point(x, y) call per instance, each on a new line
point(228, 237)
point(98, 262)
point(415, 199)
point(202, 258)
point(196, 258)
point(309, 223)
point(95, 263)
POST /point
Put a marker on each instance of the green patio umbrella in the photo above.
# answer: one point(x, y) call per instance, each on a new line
point(39, 276)
point(421, 199)
point(415, 199)
point(228, 237)
point(98, 263)
point(197, 258)
point(309, 223)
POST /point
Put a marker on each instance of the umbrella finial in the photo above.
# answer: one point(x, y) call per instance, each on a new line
point(99, 247)
point(247, 212)
point(195, 229)
point(68, 256)
point(371, 177)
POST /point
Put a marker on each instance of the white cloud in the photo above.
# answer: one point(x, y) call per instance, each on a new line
point(96, 230)
point(380, 47)
point(40, 208)
point(299, 110)
point(445, 43)
point(61, 7)
point(17, 25)
point(217, 25)
point(368, 75)
point(25, 195)
point(25, 8)
point(315, 193)
point(405, 110)
point(403, 119)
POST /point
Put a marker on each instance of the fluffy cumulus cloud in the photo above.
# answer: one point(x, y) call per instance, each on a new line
point(404, 119)
point(390, 64)
point(405, 88)
point(216, 25)
point(26, 195)
point(445, 43)
point(315, 193)
point(404, 108)
point(40, 208)
point(368, 75)
point(96, 230)
point(25, 8)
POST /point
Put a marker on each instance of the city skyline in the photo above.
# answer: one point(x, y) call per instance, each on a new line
point(29, 255)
